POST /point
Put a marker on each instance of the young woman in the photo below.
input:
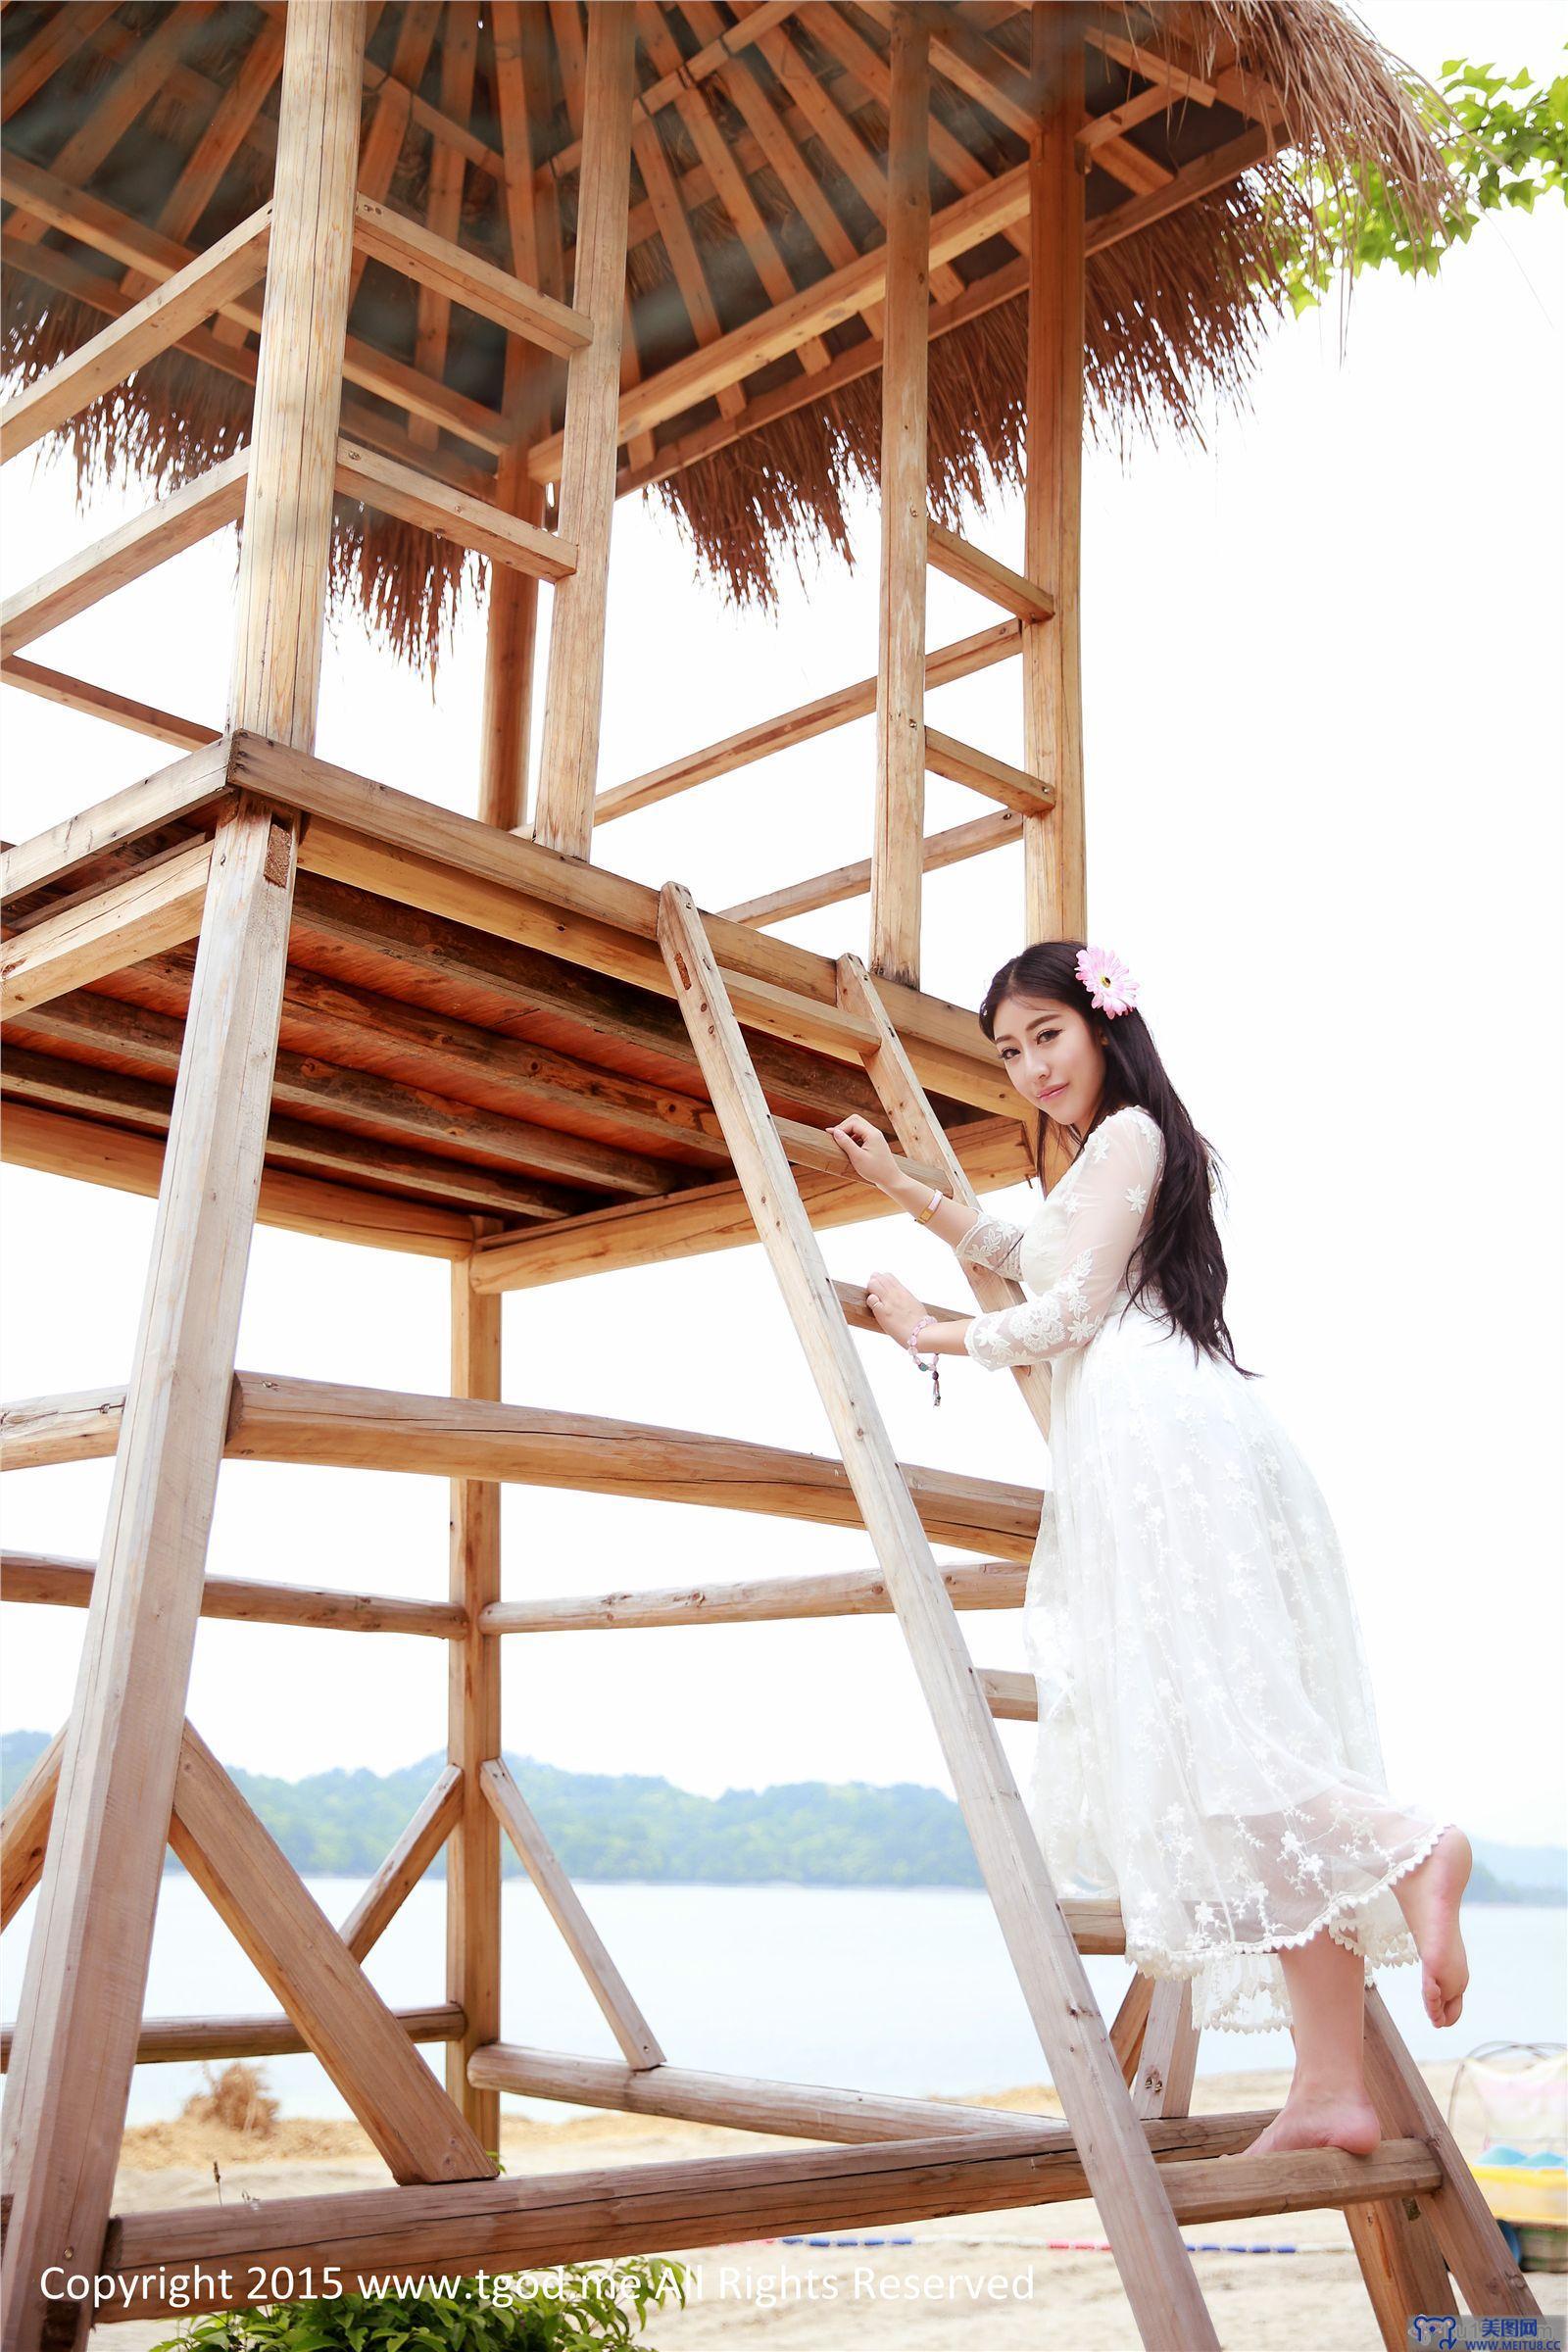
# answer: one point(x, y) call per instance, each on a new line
point(1207, 1746)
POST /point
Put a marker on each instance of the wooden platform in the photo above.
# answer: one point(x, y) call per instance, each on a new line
point(478, 1033)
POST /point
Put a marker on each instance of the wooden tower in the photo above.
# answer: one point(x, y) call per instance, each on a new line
point(425, 282)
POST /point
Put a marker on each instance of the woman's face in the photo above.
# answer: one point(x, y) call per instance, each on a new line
point(1053, 1057)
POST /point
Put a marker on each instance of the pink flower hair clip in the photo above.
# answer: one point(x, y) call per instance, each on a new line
point(1112, 986)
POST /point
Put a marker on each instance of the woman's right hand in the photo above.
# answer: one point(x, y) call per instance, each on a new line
point(868, 1151)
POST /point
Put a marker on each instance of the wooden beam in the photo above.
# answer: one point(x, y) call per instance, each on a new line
point(569, 762)
point(804, 724)
point(170, 311)
point(712, 1217)
point(738, 2102)
point(57, 39)
point(460, 277)
point(178, 2040)
point(183, 788)
point(473, 522)
point(273, 1419)
point(157, 908)
point(948, 848)
point(102, 702)
point(432, 1823)
point(513, 2225)
point(1055, 879)
point(957, 228)
point(473, 1724)
point(638, 2045)
point(1120, 2167)
point(183, 519)
point(286, 542)
point(899, 818)
point(38, 195)
point(997, 779)
point(973, 568)
point(24, 1827)
point(288, 1938)
point(764, 1600)
point(40, 1578)
point(444, 191)
point(87, 1959)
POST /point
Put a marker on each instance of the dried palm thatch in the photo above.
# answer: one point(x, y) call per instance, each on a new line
point(1175, 311)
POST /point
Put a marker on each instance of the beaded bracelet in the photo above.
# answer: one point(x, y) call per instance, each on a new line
point(933, 1366)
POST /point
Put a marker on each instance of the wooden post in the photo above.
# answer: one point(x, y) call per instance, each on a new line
point(81, 1999)
point(473, 1727)
point(288, 499)
point(568, 766)
point(1055, 886)
point(508, 662)
point(899, 825)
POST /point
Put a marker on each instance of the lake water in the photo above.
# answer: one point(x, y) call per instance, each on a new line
point(907, 1991)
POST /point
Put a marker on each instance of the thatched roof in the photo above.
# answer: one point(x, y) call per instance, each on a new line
point(759, 153)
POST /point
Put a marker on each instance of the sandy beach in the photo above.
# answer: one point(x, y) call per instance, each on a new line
point(973, 2280)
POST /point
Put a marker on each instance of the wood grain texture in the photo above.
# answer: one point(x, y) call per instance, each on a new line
point(281, 606)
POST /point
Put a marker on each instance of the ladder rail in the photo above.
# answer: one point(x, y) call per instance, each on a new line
point(1124, 2180)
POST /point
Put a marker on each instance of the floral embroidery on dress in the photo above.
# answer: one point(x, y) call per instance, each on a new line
point(1206, 1746)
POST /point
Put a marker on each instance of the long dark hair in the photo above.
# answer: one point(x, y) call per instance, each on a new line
point(1181, 1254)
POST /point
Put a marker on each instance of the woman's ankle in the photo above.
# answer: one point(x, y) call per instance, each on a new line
point(1330, 2089)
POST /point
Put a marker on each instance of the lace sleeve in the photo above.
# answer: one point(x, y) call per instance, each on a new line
point(992, 1241)
point(1105, 1214)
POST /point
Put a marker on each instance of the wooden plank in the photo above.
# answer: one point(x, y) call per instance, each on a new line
point(433, 1821)
point(185, 788)
point(743, 2102)
point(183, 519)
point(288, 1938)
point(855, 1592)
point(170, 311)
point(802, 725)
point(178, 2040)
point(285, 546)
point(466, 277)
point(948, 848)
point(509, 2225)
point(1123, 2179)
point(898, 825)
point(40, 1578)
point(86, 1969)
point(58, 1140)
point(25, 1827)
point(973, 568)
point(960, 226)
point(40, 195)
point(569, 762)
point(1401, 2267)
point(609, 1988)
point(156, 909)
point(61, 34)
point(982, 771)
point(1463, 2222)
point(473, 1724)
point(394, 489)
point(1168, 2061)
point(711, 1218)
point(1055, 880)
point(273, 1419)
point(102, 702)
point(444, 191)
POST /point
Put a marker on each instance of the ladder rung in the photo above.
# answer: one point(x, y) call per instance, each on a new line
point(1223, 2189)
point(997, 779)
point(972, 568)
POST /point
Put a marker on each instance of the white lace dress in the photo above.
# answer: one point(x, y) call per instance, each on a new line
point(1208, 1745)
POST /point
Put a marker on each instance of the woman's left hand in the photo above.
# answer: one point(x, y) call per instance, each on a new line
point(896, 1308)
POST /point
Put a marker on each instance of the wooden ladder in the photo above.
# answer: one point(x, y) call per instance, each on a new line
point(1415, 2209)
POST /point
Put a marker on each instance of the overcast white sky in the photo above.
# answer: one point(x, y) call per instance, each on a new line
point(1323, 687)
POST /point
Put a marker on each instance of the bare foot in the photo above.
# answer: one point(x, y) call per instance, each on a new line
point(1346, 2122)
point(1429, 1897)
